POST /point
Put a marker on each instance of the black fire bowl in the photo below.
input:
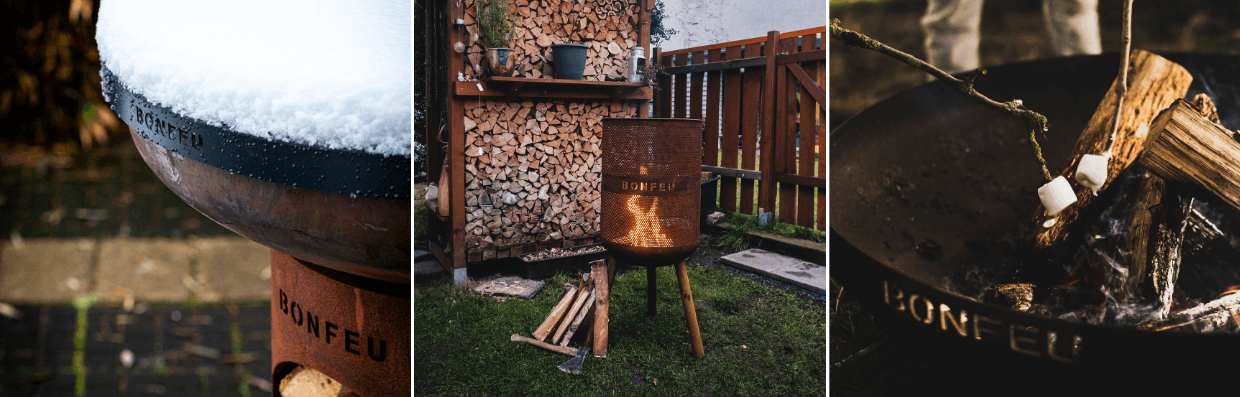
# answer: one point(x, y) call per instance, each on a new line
point(919, 178)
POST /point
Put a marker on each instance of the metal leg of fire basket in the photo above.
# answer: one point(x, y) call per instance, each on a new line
point(686, 296)
point(650, 286)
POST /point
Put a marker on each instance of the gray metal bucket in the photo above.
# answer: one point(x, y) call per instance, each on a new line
point(570, 61)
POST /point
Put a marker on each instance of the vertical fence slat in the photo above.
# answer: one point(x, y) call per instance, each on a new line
point(695, 92)
point(787, 158)
point(807, 139)
point(821, 76)
point(663, 106)
point(750, 118)
point(766, 187)
point(710, 135)
point(678, 92)
point(731, 128)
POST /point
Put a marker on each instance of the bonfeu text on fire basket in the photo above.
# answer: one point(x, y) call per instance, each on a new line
point(300, 316)
point(166, 130)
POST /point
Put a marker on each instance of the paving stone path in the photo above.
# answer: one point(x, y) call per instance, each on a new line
point(174, 349)
point(803, 274)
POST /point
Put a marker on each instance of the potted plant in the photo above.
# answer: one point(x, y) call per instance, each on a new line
point(496, 22)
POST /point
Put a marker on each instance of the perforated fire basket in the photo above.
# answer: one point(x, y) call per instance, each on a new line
point(651, 189)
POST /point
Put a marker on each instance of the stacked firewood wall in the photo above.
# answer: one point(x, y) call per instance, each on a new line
point(608, 27)
point(532, 173)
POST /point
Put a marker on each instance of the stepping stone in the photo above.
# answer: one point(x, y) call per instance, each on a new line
point(791, 270)
point(510, 286)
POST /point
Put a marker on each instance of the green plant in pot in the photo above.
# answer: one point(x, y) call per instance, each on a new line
point(496, 23)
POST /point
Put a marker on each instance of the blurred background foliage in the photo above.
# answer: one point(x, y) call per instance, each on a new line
point(49, 92)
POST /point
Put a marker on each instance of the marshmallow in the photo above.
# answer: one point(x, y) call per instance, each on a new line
point(1092, 171)
point(1056, 195)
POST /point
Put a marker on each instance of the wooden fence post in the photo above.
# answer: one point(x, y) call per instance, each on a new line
point(766, 187)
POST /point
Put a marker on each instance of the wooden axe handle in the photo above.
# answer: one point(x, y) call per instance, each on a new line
point(558, 349)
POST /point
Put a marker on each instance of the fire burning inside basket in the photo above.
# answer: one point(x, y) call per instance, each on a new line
point(651, 198)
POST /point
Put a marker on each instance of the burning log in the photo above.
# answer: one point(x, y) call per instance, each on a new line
point(1157, 231)
point(1218, 315)
point(1154, 239)
point(1157, 83)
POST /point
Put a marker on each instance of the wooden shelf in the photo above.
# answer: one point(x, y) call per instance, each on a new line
point(520, 87)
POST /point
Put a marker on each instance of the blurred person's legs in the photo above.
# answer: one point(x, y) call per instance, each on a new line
point(953, 31)
point(1073, 26)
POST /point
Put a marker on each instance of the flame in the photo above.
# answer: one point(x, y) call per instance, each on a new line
point(647, 231)
point(1230, 290)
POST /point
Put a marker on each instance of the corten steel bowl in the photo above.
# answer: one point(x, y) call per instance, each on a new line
point(651, 189)
point(342, 209)
point(928, 183)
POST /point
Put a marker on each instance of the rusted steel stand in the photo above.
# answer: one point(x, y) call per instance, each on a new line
point(352, 329)
point(686, 296)
point(650, 291)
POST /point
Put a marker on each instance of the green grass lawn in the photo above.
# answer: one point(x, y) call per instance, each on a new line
point(759, 341)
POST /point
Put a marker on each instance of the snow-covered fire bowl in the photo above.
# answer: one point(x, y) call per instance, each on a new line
point(343, 209)
point(289, 124)
point(290, 127)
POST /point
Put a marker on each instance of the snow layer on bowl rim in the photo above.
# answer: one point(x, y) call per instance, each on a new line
point(324, 73)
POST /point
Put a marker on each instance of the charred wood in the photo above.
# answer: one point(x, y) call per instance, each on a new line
point(1221, 314)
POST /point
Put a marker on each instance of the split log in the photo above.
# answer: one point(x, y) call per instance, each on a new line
point(602, 289)
point(581, 316)
point(557, 313)
point(1188, 148)
point(577, 305)
point(309, 382)
point(1154, 83)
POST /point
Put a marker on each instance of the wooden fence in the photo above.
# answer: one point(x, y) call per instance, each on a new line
point(751, 86)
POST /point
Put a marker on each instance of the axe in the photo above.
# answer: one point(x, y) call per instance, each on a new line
point(572, 366)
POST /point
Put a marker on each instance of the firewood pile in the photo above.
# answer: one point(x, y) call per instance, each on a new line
point(607, 27)
point(578, 307)
point(532, 171)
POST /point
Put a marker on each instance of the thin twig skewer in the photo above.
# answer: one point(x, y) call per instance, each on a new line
point(1033, 121)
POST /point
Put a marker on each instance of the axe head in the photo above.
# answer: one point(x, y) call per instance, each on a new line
point(573, 365)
